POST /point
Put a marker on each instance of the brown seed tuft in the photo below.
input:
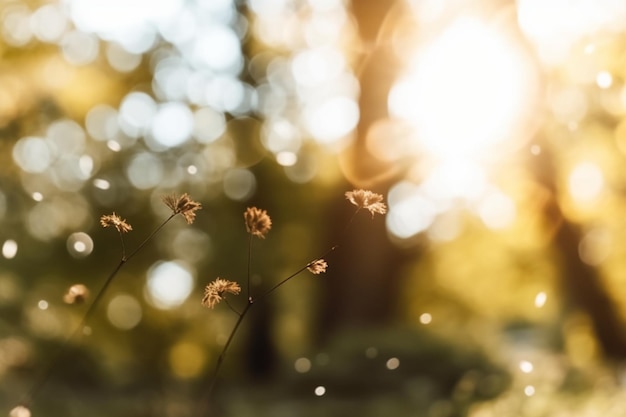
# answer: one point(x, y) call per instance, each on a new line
point(214, 292)
point(258, 222)
point(317, 266)
point(113, 220)
point(368, 200)
point(182, 205)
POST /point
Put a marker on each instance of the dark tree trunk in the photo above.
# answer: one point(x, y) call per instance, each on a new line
point(580, 283)
point(364, 276)
point(365, 271)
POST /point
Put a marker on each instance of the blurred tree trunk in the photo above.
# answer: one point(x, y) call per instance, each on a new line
point(363, 278)
point(580, 283)
point(364, 273)
point(377, 70)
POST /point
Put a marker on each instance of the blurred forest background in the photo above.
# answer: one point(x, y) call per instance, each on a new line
point(496, 130)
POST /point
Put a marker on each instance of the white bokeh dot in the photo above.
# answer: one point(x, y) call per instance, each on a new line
point(173, 124)
point(168, 284)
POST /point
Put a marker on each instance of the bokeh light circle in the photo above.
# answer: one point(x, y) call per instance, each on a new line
point(124, 312)
point(172, 124)
point(239, 184)
point(168, 284)
point(33, 154)
point(79, 245)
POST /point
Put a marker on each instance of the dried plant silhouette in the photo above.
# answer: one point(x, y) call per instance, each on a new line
point(258, 224)
point(77, 293)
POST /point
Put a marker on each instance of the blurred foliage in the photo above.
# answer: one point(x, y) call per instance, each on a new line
point(496, 131)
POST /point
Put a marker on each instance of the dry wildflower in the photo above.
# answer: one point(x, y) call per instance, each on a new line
point(19, 411)
point(258, 222)
point(214, 292)
point(183, 205)
point(317, 266)
point(368, 200)
point(76, 294)
point(108, 220)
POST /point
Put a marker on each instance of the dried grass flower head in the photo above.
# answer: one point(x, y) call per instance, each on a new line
point(368, 200)
point(76, 294)
point(214, 292)
point(183, 205)
point(317, 266)
point(258, 222)
point(113, 220)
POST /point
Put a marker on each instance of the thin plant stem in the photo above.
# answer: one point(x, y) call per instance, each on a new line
point(343, 233)
point(275, 287)
point(350, 221)
point(249, 263)
point(45, 375)
point(220, 359)
point(150, 236)
point(40, 382)
point(206, 402)
point(205, 405)
point(123, 246)
point(242, 315)
point(233, 309)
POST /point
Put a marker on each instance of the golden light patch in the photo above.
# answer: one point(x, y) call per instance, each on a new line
point(187, 360)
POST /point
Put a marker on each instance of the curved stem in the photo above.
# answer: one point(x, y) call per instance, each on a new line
point(345, 229)
point(234, 310)
point(45, 375)
point(275, 287)
point(40, 382)
point(205, 405)
point(123, 246)
point(249, 263)
point(150, 236)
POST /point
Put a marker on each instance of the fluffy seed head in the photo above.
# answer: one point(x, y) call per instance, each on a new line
point(113, 220)
point(364, 199)
point(214, 292)
point(182, 205)
point(258, 222)
point(317, 266)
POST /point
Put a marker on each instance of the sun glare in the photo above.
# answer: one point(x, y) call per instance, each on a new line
point(465, 91)
point(468, 96)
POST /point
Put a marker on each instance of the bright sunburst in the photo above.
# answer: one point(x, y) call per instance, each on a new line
point(465, 91)
point(468, 96)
